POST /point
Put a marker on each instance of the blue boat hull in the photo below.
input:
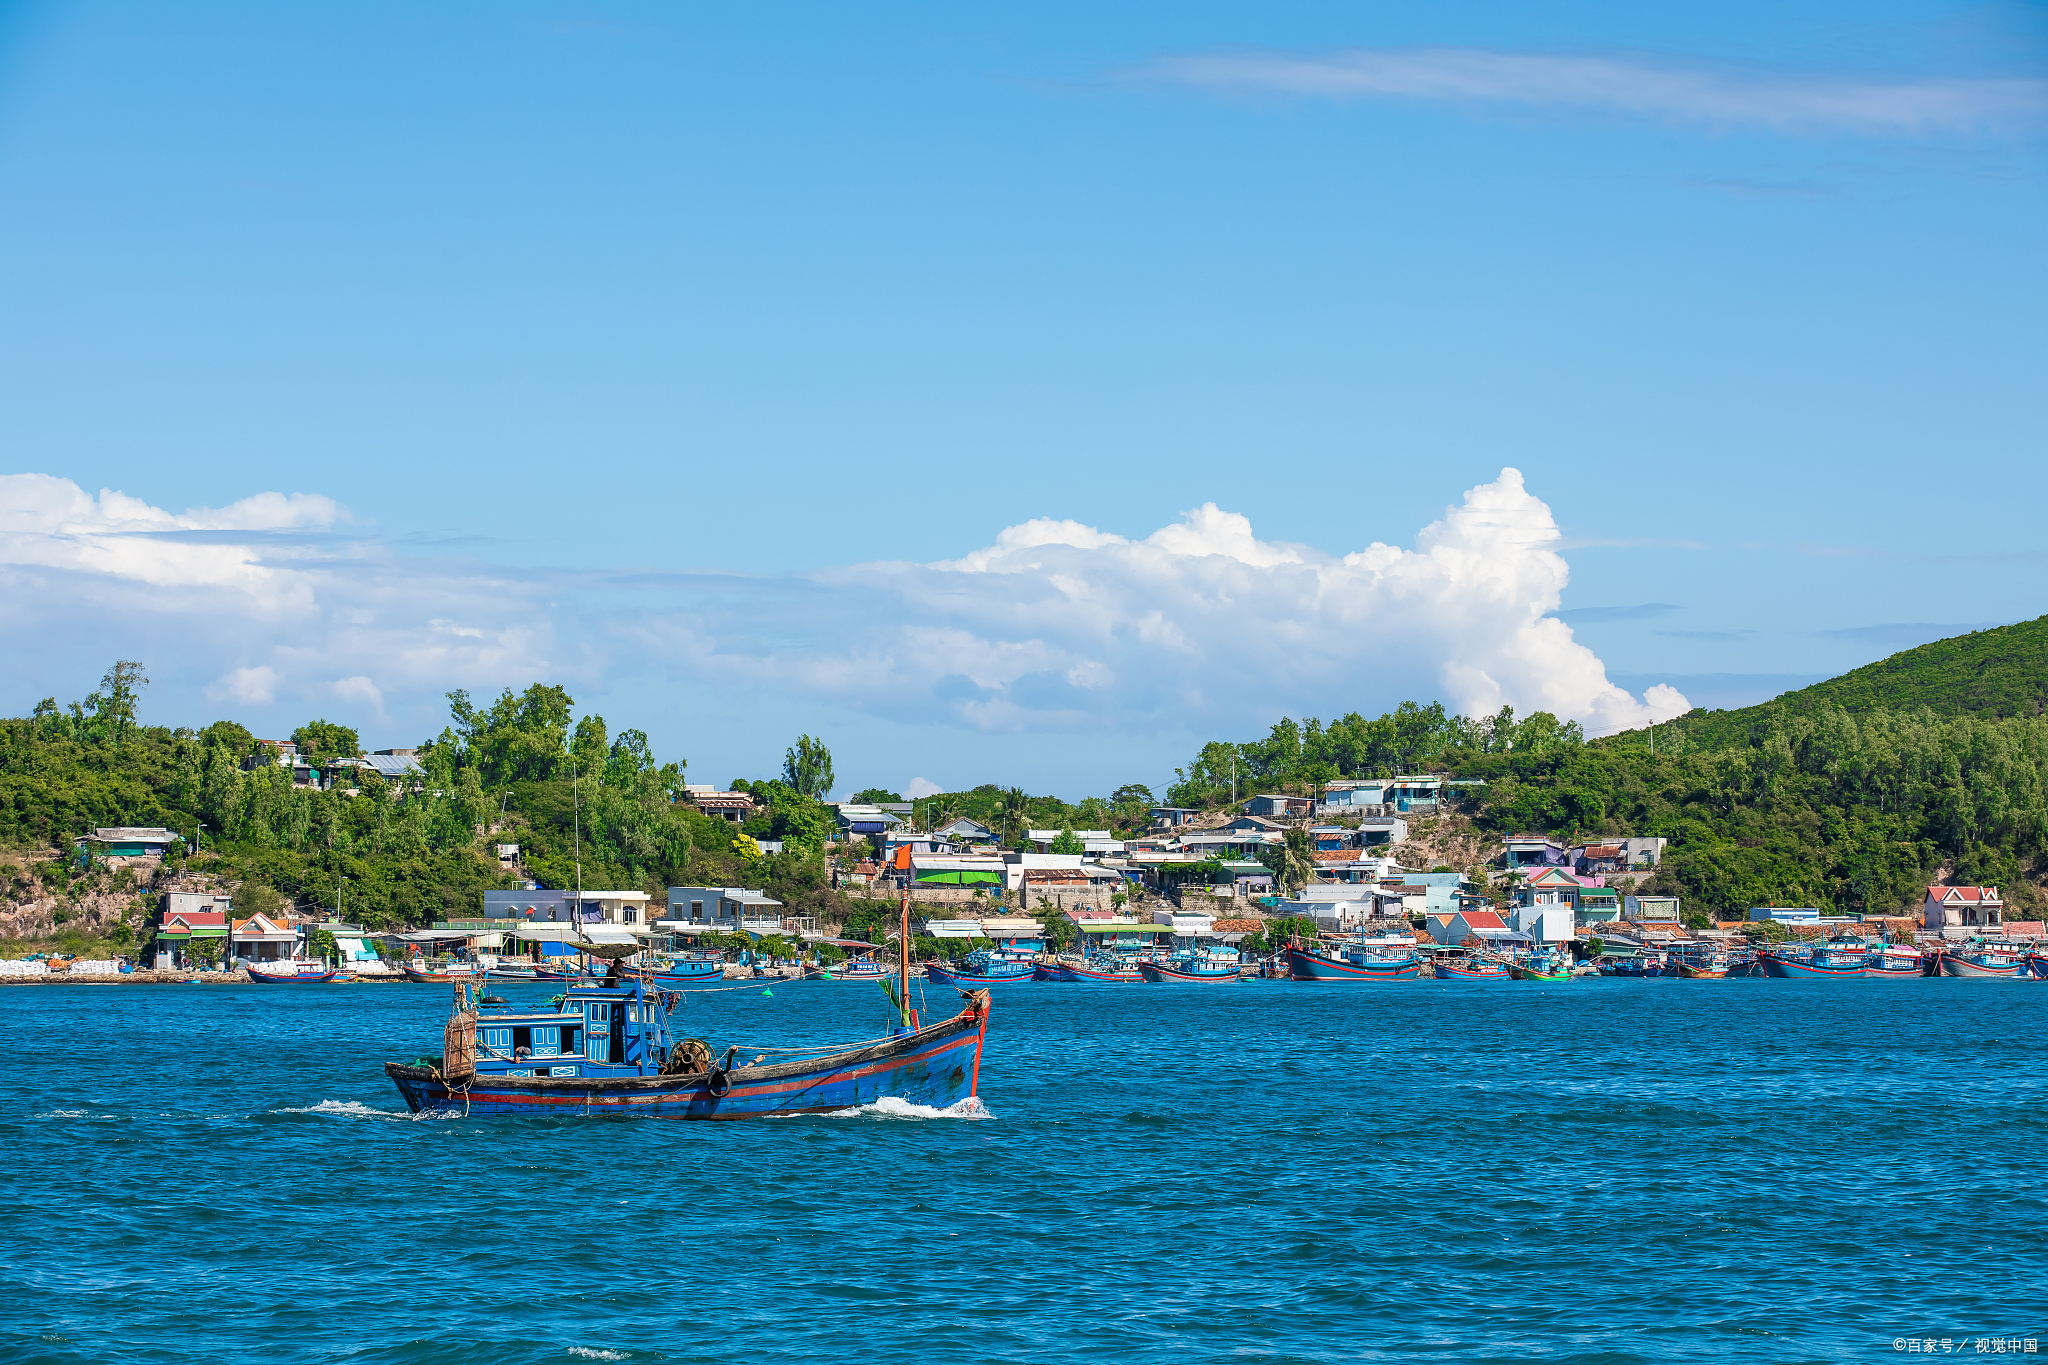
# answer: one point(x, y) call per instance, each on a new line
point(1312, 967)
point(1159, 973)
point(1099, 976)
point(1445, 972)
point(688, 974)
point(1800, 969)
point(938, 1067)
point(951, 976)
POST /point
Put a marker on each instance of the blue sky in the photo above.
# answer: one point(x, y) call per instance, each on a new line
point(619, 345)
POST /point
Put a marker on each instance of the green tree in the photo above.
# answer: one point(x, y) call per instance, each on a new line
point(807, 768)
point(1067, 842)
point(120, 693)
point(870, 796)
point(320, 740)
point(1297, 864)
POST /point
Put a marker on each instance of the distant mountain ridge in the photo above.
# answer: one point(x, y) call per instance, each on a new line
point(2002, 671)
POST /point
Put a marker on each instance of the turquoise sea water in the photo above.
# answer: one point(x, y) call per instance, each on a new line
point(1602, 1171)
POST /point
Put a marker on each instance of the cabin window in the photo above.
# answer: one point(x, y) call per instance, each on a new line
point(600, 1012)
point(571, 1039)
point(547, 1041)
point(522, 1042)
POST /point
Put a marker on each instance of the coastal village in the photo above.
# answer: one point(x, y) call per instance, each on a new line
point(1337, 873)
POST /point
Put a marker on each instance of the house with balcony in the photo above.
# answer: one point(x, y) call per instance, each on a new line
point(721, 910)
point(1968, 909)
point(738, 807)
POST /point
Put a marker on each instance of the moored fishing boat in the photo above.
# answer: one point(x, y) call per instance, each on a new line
point(2005, 963)
point(1894, 962)
point(607, 1048)
point(1541, 968)
point(1360, 960)
point(1461, 964)
point(978, 976)
point(1102, 971)
point(1825, 963)
point(1194, 966)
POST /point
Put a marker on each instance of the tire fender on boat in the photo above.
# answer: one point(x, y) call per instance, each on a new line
point(719, 1083)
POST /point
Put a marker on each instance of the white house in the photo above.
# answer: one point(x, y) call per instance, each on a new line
point(1962, 907)
point(1550, 921)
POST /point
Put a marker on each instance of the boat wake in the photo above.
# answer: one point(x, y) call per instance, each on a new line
point(346, 1109)
point(589, 1353)
point(890, 1107)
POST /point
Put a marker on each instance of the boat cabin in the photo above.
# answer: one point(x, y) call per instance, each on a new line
point(596, 1030)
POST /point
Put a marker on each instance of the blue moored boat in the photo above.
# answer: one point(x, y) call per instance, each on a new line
point(1101, 969)
point(1363, 960)
point(1189, 966)
point(1824, 963)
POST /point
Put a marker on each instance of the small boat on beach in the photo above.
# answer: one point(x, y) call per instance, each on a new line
point(290, 973)
point(419, 970)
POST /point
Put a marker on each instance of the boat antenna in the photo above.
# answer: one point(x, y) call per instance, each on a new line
point(576, 827)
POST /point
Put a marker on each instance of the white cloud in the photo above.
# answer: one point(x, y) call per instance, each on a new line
point(1199, 627)
point(255, 686)
point(359, 690)
point(1629, 85)
point(921, 787)
point(1201, 624)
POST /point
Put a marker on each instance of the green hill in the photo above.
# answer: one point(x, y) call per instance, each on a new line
point(2001, 672)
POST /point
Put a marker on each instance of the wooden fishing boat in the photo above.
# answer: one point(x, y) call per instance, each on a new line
point(1167, 972)
point(1992, 962)
point(1099, 971)
point(608, 1049)
point(1459, 964)
point(1701, 969)
point(1895, 963)
point(1556, 971)
point(946, 974)
point(1814, 964)
point(1352, 964)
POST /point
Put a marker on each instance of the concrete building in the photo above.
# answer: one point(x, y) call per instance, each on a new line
point(1961, 907)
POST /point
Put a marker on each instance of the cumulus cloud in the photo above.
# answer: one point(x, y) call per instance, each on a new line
point(255, 686)
point(1063, 626)
point(1628, 85)
point(1200, 626)
point(921, 787)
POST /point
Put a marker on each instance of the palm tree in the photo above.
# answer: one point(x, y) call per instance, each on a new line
point(1016, 813)
point(1297, 866)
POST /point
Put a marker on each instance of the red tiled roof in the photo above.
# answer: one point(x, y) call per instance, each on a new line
point(1964, 893)
point(1484, 919)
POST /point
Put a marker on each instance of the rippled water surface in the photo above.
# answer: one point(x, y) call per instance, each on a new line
point(1601, 1171)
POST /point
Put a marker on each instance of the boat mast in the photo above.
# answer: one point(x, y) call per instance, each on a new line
point(903, 952)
